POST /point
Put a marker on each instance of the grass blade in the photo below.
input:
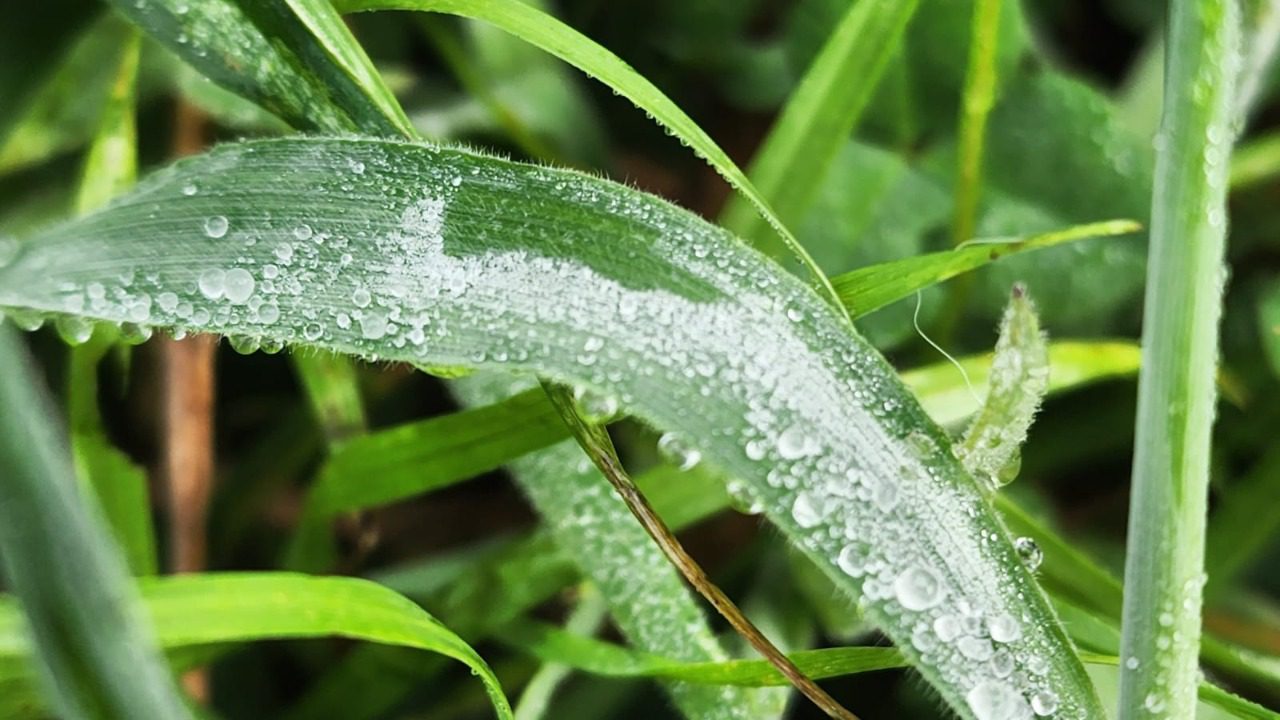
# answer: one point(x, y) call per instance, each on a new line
point(93, 644)
point(462, 257)
point(979, 97)
point(868, 289)
point(191, 611)
point(1164, 563)
point(330, 384)
point(562, 41)
point(821, 113)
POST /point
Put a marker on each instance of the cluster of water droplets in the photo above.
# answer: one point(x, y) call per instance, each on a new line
point(648, 309)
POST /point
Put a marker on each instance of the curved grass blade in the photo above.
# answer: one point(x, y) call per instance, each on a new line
point(443, 257)
point(1164, 559)
point(548, 33)
point(330, 383)
point(93, 644)
point(294, 58)
point(191, 611)
point(868, 289)
point(821, 113)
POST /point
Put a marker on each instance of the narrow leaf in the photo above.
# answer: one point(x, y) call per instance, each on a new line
point(868, 289)
point(449, 258)
point(191, 611)
point(94, 646)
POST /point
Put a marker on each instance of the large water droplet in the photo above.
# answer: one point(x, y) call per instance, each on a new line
point(29, 320)
point(373, 324)
point(74, 330)
point(1030, 552)
point(793, 444)
point(853, 558)
point(134, 333)
point(303, 232)
point(996, 700)
point(676, 451)
point(215, 226)
point(1044, 702)
point(212, 283)
point(238, 285)
point(1004, 628)
point(807, 510)
point(244, 344)
point(361, 297)
point(918, 588)
point(975, 648)
point(595, 407)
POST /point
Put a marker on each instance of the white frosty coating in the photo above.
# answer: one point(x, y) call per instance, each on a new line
point(714, 352)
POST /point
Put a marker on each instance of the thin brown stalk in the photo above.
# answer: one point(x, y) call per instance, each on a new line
point(188, 397)
point(595, 441)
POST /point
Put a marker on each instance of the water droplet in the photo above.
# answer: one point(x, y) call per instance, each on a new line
point(755, 450)
point(884, 493)
point(676, 451)
point(806, 510)
point(1030, 552)
point(1002, 663)
point(215, 226)
point(190, 189)
point(793, 444)
point(74, 330)
point(312, 332)
point(1153, 703)
point(593, 406)
point(918, 588)
point(29, 320)
point(361, 297)
point(996, 700)
point(1132, 663)
point(271, 346)
point(1044, 702)
point(244, 344)
point(853, 558)
point(284, 253)
point(238, 285)
point(167, 301)
point(975, 648)
point(1004, 628)
point(303, 232)
point(1165, 619)
point(134, 333)
point(268, 313)
point(212, 283)
point(373, 324)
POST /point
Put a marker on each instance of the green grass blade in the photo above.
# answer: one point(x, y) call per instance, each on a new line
point(549, 34)
point(1256, 162)
point(110, 166)
point(266, 51)
point(586, 618)
point(331, 387)
point(868, 289)
point(975, 107)
point(1164, 564)
point(458, 272)
point(647, 597)
point(93, 645)
point(191, 611)
point(821, 113)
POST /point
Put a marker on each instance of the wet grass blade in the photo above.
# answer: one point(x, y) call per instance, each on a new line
point(1164, 561)
point(868, 289)
point(192, 611)
point(456, 272)
point(821, 113)
point(548, 33)
point(93, 644)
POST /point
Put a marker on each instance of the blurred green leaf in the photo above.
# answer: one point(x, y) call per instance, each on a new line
point(215, 608)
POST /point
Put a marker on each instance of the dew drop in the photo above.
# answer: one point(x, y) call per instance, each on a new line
point(1002, 663)
point(676, 451)
point(268, 313)
point(1132, 663)
point(1044, 703)
point(238, 285)
point(271, 346)
point(1153, 703)
point(1004, 628)
point(303, 232)
point(373, 325)
point(190, 189)
point(215, 226)
point(975, 648)
point(284, 253)
point(134, 333)
point(997, 700)
point(212, 283)
point(28, 320)
point(1030, 552)
point(361, 297)
point(853, 559)
point(167, 301)
point(918, 588)
point(806, 510)
point(244, 344)
point(312, 331)
point(593, 406)
point(74, 330)
point(793, 444)
point(755, 450)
